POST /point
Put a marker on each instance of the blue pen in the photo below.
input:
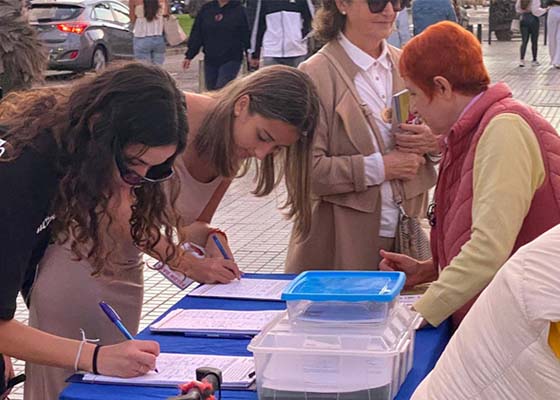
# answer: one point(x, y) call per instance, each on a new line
point(115, 319)
point(220, 247)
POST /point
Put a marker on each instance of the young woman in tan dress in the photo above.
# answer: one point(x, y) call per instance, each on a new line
point(269, 116)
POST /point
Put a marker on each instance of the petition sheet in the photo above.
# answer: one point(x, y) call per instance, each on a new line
point(175, 369)
point(256, 289)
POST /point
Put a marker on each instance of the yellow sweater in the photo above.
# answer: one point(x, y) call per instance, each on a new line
point(508, 169)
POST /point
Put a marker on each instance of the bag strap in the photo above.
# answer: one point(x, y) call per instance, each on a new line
point(368, 114)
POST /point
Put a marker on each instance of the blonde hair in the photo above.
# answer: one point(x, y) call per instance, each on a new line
point(279, 93)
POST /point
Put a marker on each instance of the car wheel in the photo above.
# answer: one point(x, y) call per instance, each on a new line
point(99, 60)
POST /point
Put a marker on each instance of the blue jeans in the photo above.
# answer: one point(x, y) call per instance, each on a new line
point(217, 76)
point(149, 48)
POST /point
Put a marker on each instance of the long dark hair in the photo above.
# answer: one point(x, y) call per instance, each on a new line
point(131, 104)
point(151, 8)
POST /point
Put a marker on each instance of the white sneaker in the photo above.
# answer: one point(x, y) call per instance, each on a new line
point(535, 63)
point(521, 63)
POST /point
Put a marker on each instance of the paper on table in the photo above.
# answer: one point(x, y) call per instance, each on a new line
point(258, 289)
point(175, 369)
point(409, 299)
point(181, 320)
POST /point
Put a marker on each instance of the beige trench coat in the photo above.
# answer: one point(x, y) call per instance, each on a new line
point(346, 212)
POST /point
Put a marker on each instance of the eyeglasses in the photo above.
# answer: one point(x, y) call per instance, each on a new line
point(157, 173)
point(377, 6)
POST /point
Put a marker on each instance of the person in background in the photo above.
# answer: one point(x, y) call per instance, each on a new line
point(529, 24)
point(401, 32)
point(508, 346)
point(147, 18)
point(268, 116)
point(222, 32)
point(497, 188)
point(279, 31)
point(354, 210)
point(59, 170)
point(553, 28)
point(429, 12)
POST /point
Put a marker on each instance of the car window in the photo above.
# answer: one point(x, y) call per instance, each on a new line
point(121, 13)
point(53, 12)
point(103, 11)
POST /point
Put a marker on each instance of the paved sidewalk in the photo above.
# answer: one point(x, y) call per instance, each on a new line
point(257, 231)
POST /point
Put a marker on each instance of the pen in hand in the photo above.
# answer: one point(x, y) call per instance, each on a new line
point(220, 247)
point(116, 319)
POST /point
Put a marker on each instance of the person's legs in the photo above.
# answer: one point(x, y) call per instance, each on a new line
point(553, 39)
point(141, 47)
point(210, 75)
point(524, 28)
point(227, 72)
point(268, 61)
point(289, 61)
point(534, 31)
point(158, 50)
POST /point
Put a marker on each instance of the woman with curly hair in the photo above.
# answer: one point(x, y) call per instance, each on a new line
point(269, 115)
point(65, 162)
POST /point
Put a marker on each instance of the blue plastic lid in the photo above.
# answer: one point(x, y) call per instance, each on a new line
point(378, 286)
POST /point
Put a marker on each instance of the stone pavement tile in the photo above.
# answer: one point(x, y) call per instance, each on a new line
point(259, 233)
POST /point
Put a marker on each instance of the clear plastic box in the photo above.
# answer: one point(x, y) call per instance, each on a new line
point(343, 297)
point(353, 362)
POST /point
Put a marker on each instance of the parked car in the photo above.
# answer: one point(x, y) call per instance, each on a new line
point(82, 34)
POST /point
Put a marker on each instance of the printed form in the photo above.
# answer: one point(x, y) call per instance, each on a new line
point(175, 369)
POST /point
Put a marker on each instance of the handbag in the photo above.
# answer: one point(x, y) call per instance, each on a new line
point(411, 239)
point(174, 34)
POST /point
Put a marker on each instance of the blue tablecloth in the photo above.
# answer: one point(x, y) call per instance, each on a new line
point(430, 343)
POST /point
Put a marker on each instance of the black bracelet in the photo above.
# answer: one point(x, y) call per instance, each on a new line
point(94, 361)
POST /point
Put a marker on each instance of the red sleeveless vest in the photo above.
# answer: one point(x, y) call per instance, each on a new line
point(454, 191)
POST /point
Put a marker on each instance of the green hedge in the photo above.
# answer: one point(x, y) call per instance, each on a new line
point(186, 22)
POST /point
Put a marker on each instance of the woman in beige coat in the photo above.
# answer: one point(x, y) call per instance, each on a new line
point(354, 213)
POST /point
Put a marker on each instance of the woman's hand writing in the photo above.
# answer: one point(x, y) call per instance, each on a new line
point(127, 359)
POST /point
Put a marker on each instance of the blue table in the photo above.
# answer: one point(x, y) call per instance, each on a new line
point(430, 343)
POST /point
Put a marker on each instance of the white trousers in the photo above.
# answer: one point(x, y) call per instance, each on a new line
point(554, 35)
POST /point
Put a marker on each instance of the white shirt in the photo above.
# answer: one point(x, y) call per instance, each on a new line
point(535, 8)
point(374, 84)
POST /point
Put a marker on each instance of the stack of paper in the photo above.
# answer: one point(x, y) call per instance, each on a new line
point(215, 323)
point(175, 369)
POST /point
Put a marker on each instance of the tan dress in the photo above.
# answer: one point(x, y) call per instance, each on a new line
point(65, 297)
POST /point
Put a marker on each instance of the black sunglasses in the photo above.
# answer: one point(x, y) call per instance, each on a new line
point(377, 6)
point(157, 173)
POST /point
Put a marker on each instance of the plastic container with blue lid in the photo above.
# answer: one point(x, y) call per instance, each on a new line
point(342, 297)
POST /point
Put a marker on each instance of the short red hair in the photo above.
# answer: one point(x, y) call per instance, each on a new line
point(445, 49)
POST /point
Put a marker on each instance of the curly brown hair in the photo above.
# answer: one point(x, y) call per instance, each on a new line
point(92, 123)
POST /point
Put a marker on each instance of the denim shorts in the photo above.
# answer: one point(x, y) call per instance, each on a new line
point(150, 48)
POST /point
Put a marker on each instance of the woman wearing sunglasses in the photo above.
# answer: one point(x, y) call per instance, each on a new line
point(355, 214)
point(59, 180)
point(270, 116)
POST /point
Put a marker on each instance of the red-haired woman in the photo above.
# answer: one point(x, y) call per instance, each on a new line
point(497, 188)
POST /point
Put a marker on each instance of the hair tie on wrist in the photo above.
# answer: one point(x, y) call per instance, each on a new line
point(94, 361)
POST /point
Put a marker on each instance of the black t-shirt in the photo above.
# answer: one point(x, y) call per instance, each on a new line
point(27, 187)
